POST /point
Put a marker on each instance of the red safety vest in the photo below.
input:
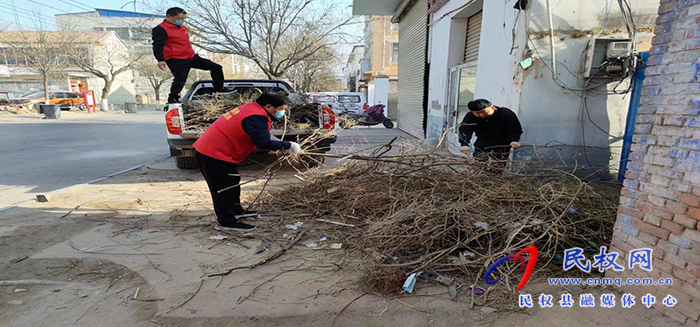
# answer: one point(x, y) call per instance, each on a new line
point(226, 140)
point(178, 45)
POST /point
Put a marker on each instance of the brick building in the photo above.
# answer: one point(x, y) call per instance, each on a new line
point(660, 204)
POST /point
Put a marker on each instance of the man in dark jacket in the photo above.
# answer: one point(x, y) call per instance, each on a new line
point(227, 142)
point(497, 130)
point(172, 48)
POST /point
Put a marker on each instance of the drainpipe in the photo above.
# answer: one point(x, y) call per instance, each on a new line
point(384, 45)
point(551, 43)
point(635, 98)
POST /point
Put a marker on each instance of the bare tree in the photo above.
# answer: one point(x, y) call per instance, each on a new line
point(105, 60)
point(315, 73)
point(275, 34)
point(146, 67)
point(40, 51)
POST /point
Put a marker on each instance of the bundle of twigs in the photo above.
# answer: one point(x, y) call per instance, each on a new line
point(199, 114)
point(300, 116)
point(14, 109)
point(445, 215)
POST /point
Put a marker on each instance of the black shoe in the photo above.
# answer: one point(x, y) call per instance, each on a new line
point(236, 227)
point(247, 214)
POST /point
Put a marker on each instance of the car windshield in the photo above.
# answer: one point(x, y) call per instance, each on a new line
point(35, 95)
point(245, 90)
point(349, 98)
point(323, 98)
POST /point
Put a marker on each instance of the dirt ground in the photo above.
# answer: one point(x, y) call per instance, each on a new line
point(135, 250)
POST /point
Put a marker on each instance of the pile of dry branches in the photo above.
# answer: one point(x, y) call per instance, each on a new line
point(201, 113)
point(14, 109)
point(446, 216)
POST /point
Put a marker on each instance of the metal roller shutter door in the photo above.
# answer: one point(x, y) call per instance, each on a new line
point(413, 34)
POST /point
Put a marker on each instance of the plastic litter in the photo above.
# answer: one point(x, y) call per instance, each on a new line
point(453, 291)
point(487, 310)
point(218, 237)
point(477, 291)
point(264, 244)
point(294, 226)
point(410, 283)
point(482, 225)
point(336, 246)
point(21, 290)
point(312, 245)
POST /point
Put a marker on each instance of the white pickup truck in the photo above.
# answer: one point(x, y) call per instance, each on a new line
point(181, 142)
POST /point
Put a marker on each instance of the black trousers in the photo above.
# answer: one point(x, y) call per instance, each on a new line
point(499, 155)
point(181, 69)
point(218, 173)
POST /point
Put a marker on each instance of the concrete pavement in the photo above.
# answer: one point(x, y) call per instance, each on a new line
point(40, 155)
point(136, 249)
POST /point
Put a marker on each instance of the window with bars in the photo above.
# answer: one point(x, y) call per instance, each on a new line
point(394, 27)
point(393, 52)
point(123, 32)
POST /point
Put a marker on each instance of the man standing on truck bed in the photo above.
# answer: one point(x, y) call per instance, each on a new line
point(172, 48)
point(226, 143)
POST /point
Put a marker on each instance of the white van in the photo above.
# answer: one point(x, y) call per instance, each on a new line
point(352, 101)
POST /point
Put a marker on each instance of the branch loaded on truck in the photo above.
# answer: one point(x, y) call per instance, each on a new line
point(181, 135)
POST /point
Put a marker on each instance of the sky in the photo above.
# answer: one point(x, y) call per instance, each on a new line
point(32, 13)
point(48, 8)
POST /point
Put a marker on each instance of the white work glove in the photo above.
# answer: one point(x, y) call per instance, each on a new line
point(295, 148)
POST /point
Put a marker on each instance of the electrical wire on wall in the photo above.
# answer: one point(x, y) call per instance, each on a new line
point(616, 70)
point(627, 67)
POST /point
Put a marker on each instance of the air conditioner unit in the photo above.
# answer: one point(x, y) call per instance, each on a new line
point(619, 50)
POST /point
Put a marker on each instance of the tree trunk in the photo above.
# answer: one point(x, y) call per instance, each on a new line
point(104, 104)
point(46, 89)
point(157, 91)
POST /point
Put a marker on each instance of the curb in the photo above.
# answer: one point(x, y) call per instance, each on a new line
point(162, 158)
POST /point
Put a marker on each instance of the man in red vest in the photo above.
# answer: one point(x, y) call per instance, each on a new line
point(172, 48)
point(227, 142)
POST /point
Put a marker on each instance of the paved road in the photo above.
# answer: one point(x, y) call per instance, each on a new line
point(44, 155)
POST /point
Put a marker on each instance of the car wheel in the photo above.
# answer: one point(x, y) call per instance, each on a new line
point(185, 162)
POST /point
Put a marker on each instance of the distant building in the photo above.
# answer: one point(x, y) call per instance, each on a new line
point(236, 66)
point(381, 50)
point(381, 47)
point(353, 71)
point(134, 28)
point(18, 80)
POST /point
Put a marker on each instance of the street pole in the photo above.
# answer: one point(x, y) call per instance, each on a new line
point(134, 2)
